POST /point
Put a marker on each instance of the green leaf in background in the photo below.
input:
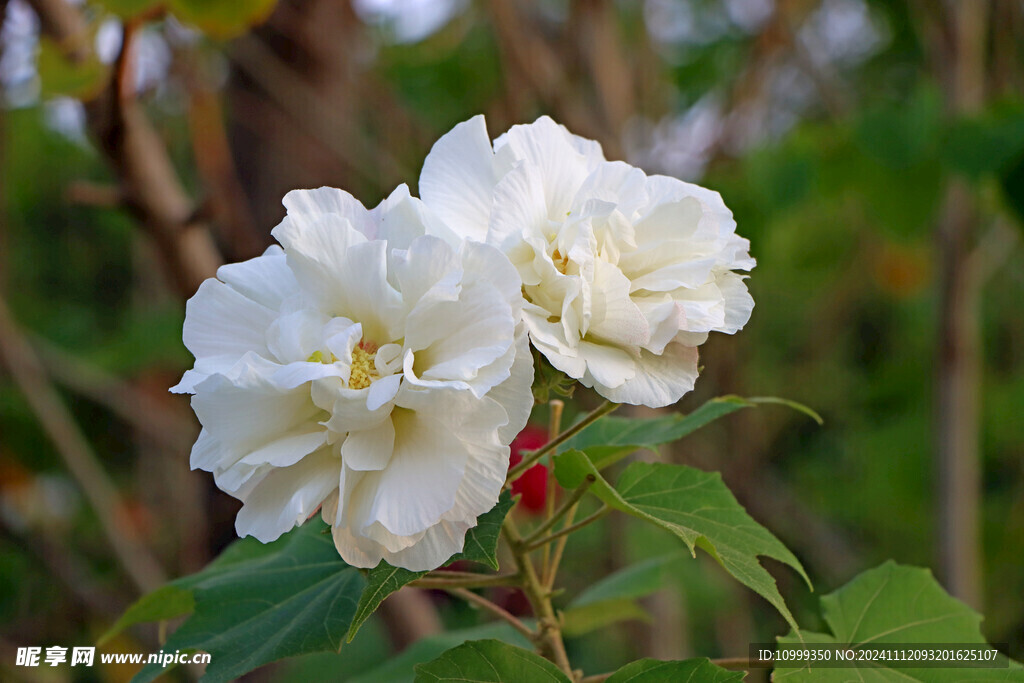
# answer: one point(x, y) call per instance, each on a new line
point(59, 75)
point(223, 19)
point(987, 143)
point(489, 661)
point(611, 438)
point(895, 604)
point(613, 598)
point(292, 597)
point(655, 671)
point(697, 507)
point(481, 546)
point(126, 9)
point(399, 668)
point(901, 134)
point(166, 602)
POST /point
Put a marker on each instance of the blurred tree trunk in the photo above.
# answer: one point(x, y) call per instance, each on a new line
point(958, 352)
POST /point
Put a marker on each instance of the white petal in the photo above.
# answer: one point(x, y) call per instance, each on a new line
point(265, 279)
point(551, 148)
point(382, 391)
point(369, 449)
point(607, 366)
point(614, 317)
point(222, 323)
point(429, 265)
point(420, 482)
point(295, 336)
point(454, 340)
point(520, 207)
point(306, 207)
point(738, 302)
point(288, 496)
point(659, 380)
point(514, 394)
point(247, 411)
point(458, 178)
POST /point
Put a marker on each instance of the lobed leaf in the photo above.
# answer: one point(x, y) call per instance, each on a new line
point(696, 670)
point(399, 669)
point(294, 596)
point(489, 661)
point(611, 438)
point(481, 546)
point(895, 604)
point(697, 507)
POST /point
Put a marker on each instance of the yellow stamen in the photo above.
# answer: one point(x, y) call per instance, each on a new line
point(363, 369)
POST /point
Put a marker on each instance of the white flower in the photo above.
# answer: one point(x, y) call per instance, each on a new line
point(624, 274)
point(369, 368)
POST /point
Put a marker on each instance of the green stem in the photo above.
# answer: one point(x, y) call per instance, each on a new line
point(532, 458)
point(568, 503)
point(480, 601)
point(481, 581)
point(548, 638)
point(565, 531)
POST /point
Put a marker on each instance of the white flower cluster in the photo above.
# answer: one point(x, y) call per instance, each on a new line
point(376, 364)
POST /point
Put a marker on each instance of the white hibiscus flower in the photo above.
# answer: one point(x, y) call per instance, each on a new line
point(624, 274)
point(369, 368)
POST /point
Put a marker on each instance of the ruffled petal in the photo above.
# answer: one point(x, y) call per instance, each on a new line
point(458, 179)
point(287, 497)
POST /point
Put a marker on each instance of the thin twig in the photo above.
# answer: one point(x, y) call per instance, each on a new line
point(550, 446)
point(554, 427)
point(480, 601)
point(549, 577)
point(565, 531)
point(76, 452)
point(566, 505)
point(482, 581)
point(548, 638)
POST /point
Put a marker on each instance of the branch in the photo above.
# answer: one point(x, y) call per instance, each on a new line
point(565, 531)
point(74, 449)
point(548, 637)
point(481, 581)
point(480, 601)
point(529, 460)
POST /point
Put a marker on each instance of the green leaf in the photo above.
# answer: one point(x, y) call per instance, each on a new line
point(126, 9)
point(58, 75)
point(611, 438)
point(901, 134)
point(895, 604)
point(223, 19)
point(290, 597)
point(482, 540)
point(634, 581)
point(987, 143)
point(166, 602)
point(577, 621)
point(612, 599)
point(697, 507)
point(655, 671)
point(481, 546)
point(399, 669)
point(489, 661)
point(381, 581)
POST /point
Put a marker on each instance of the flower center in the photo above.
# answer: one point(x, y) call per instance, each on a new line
point(363, 370)
point(561, 262)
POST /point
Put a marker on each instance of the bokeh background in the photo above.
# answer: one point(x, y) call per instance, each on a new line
point(871, 150)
